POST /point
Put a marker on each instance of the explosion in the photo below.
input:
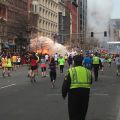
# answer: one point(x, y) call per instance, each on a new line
point(46, 45)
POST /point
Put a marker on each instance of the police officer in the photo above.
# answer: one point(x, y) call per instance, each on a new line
point(96, 65)
point(77, 85)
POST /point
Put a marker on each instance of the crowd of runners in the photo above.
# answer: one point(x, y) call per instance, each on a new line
point(34, 61)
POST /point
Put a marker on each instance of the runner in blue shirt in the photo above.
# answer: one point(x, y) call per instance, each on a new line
point(87, 61)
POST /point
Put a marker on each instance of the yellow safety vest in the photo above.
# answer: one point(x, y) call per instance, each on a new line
point(110, 60)
point(80, 77)
point(9, 63)
point(96, 60)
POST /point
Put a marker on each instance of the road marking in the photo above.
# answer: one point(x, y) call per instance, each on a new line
point(53, 94)
point(7, 86)
point(93, 89)
point(97, 94)
point(118, 116)
point(100, 94)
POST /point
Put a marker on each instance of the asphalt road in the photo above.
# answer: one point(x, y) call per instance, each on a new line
point(22, 100)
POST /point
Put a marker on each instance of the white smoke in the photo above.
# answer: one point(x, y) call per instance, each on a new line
point(99, 14)
point(48, 44)
point(116, 9)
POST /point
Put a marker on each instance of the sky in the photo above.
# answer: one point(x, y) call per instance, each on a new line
point(116, 9)
point(99, 14)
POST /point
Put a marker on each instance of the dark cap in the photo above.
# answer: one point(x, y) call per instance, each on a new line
point(96, 54)
point(78, 59)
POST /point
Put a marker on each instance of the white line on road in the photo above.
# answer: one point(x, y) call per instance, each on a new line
point(96, 94)
point(100, 94)
point(7, 86)
point(57, 94)
point(118, 117)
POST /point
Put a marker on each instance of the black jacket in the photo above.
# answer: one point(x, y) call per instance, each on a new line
point(66, 85)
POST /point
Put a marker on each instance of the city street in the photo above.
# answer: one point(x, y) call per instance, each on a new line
point(22, 100)
point(40, 30)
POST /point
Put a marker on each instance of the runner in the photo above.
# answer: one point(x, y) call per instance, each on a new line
point(70, 60)
point(117, 61)
point(4, 65)
point(66, 57)
point(46, 58)
point(52, 67)
point(61, 62)
point(14, 61)
point(33, 67)
point(9, 65)
point(43, 66)
point(56, 58)
point(109, 61)
point(102, 62)
point(18, 61)
point(87, 61)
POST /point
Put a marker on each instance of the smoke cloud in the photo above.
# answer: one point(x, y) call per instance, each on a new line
point(99, 14)
point(116, 9)
point(44, 45)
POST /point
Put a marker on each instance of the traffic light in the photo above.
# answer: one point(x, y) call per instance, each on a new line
point(92, 34)
point(74, 2)
point(105, 33)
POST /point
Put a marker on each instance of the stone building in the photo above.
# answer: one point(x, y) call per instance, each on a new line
point(48, 16)
point(61, 22)
point(114, 30)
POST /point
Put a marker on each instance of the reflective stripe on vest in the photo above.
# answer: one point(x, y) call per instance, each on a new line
point(80, 77)
point(95, 60)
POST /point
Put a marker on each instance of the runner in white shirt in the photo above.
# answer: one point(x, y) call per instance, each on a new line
point(117, 61)
point(56, 58)
point(46, 57)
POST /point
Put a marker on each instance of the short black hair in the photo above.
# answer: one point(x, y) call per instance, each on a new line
point(77, 60)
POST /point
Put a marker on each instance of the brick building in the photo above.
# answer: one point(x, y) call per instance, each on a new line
point(71, 22)
point(15, 15)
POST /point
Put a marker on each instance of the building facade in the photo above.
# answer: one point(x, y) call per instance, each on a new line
point(15, 13)
point(71, 18)
point(61, 21)
point(73, 10)
point(82, 22)
point(33, 18)
point(114, 30)
point(3, 20)
point(48, 17)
